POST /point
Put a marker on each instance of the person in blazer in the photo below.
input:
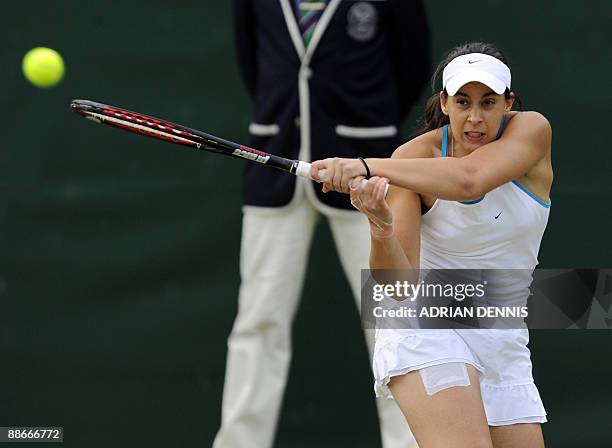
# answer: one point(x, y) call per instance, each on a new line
point(340, 88)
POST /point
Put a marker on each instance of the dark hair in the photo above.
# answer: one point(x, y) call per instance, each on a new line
point(433, 118)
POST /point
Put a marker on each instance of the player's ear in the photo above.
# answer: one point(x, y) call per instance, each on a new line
point(443, 102)
point(510, 101)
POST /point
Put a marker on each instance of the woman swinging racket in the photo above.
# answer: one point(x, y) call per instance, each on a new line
point(470, 192)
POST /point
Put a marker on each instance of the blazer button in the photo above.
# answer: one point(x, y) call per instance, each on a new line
point(297, 122)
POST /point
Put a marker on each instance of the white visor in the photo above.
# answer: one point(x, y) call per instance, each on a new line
point(476, 67)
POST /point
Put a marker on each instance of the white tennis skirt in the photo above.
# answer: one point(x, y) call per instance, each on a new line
point(501, 358)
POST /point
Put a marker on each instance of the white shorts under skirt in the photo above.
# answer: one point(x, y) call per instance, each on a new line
point(501, 358)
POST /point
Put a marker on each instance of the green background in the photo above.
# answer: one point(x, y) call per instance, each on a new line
point(119, 254)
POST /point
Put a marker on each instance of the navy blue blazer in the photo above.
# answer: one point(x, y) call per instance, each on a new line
point(345, 96)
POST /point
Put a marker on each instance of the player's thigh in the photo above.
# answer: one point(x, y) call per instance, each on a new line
point(451, 417)
point(522, 435)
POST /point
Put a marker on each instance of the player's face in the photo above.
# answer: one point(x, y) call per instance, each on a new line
point(475, 113)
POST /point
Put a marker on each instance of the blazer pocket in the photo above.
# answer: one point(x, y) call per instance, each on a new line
point(366, 132)
point(263, 130)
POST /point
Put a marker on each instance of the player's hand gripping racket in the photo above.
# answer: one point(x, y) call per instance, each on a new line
point(181, 135)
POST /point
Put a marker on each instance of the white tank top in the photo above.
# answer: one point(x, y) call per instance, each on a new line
point(501, 230)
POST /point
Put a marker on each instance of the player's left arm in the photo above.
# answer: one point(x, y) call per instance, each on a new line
point(526, 141)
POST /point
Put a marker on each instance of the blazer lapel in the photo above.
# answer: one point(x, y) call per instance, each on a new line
point(293, 27)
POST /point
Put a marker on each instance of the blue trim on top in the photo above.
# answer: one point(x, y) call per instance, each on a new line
point(533, 196)
point(445, 140)
point(475, 201)
point(502, 126)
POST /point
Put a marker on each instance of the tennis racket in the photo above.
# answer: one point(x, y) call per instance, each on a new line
point(182, 135)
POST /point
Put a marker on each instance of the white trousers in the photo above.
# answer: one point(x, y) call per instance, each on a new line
point(274, 253)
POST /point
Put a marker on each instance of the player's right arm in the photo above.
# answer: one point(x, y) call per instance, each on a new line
point(399, 247)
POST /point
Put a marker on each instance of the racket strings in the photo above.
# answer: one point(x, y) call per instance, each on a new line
point(139, 128)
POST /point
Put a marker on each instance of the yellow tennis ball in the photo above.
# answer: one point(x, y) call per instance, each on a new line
point(43, 67)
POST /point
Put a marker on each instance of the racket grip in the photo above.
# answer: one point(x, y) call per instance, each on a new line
point(303, 170)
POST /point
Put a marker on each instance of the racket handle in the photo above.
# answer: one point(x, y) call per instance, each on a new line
point(303, 170)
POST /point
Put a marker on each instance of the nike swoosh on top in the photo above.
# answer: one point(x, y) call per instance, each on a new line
point(472, 62)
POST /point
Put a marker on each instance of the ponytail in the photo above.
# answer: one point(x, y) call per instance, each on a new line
point(433, 117)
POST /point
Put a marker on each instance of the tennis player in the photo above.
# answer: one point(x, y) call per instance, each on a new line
point(474, 194)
